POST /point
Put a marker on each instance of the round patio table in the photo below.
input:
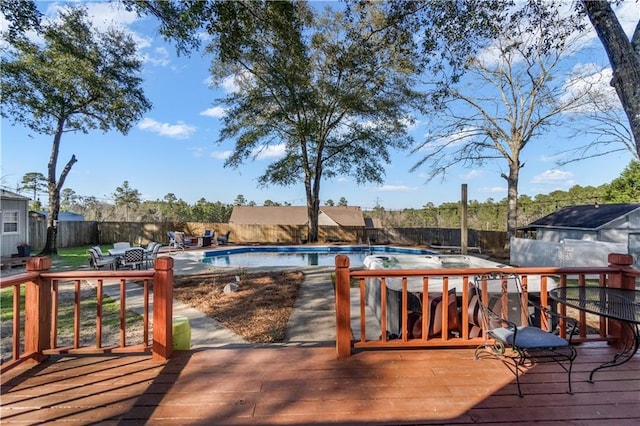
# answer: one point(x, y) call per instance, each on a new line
point(614, 303)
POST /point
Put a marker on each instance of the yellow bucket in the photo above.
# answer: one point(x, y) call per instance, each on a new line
point(181, 333)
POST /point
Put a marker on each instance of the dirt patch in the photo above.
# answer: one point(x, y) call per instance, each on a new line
point(258, 311)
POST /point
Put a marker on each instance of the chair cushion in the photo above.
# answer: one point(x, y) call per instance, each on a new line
point(434, 324)
point(529, 338)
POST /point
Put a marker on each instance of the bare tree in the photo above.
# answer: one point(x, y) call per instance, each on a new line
point(602, 121)
point(510, 95)
point(624, 56)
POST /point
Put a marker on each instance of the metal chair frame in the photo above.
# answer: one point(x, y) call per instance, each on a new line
point(133, 258)
point(520, 347)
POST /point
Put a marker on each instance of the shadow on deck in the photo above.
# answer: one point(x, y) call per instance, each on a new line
point(310, 385)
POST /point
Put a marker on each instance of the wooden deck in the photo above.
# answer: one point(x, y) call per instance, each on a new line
point(10, 262)
point(310, 385)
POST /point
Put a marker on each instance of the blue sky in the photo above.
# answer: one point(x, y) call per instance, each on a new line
point(174, 150)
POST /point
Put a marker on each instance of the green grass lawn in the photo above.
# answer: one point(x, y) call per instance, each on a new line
point(73, 259)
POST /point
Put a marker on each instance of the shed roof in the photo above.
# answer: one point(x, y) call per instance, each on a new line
point(586, 216)
point(64, 216)
point(293, 215)
point(8, 195)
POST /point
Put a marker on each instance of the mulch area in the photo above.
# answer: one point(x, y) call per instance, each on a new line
point(258, 310)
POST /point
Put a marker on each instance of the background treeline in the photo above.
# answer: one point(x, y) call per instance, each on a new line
point(489, 215)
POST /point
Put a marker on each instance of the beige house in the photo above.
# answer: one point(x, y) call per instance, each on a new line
point(347, 216)
point(289, 224)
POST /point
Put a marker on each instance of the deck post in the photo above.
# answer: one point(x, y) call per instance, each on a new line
point(163, 309)
point(621, 262)
point(343, 307)
point(37, 323)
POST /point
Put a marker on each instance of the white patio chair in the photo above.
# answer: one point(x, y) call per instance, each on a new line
point(121, 245)
point(97, 261)
point(150, 255)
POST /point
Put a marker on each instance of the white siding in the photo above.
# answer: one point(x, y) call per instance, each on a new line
point(10, 240)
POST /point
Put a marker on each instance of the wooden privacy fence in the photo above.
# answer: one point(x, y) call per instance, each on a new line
point(74, 234)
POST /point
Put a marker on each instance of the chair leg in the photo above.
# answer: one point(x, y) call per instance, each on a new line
point(498, 352)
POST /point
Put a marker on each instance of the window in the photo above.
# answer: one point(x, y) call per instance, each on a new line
point(10, 221)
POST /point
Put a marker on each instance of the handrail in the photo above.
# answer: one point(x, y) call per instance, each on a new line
point(617, 274)
point(41, 292)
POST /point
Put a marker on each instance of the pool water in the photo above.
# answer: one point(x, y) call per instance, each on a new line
point(298, 256)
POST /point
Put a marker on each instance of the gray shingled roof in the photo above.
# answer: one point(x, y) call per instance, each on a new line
point(586, 216)
point(8, 195)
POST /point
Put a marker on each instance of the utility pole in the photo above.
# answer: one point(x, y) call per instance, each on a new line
point(463, 220)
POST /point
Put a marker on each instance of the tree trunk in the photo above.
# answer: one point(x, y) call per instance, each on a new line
point(624, 59)
point(313, 209)
point(50, 246)
point(512, 198)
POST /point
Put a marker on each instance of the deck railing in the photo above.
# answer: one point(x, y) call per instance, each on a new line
point(35, 325)
point(618, 274)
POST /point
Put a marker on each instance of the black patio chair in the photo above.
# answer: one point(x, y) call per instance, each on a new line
point(520, 346)
point(133, 258)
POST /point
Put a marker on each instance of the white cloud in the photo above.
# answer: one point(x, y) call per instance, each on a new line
point(472, 174)
point(271, 151)
point(176, 131)
point(230, 84)
point(590, 83)
point(553, 176)
point(551, 157)
point(215, 112)
point(492, 190)
point(221, 155)
point(159, 58)
point(452, 140)
point(104, 15)
point(396, 188)
point(198, 152)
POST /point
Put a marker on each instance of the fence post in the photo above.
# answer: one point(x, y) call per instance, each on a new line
point(37, 310)
point(343, 307)
point(163, 308)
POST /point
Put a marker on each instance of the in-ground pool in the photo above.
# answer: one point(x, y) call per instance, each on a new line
point(298, 255)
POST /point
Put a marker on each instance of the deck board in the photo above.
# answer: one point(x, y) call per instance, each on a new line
point(309, 385)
